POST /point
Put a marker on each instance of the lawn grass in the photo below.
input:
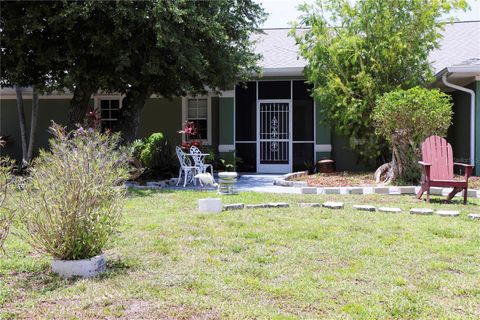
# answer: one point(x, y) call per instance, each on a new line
point(170, 261)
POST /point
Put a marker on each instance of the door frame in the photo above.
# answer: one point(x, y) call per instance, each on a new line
point(275, 168)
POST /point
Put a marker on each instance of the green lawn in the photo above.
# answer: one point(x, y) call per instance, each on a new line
point(169, 261)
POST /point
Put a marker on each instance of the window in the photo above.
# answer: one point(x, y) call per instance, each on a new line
point(109, 110)
point(197, 112)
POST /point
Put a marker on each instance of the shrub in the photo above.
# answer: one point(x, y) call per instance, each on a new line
point(6, 214)
point(72, 201)
point(157, 155)
point(407, 117)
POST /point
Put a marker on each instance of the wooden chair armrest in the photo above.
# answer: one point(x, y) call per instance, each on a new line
point(468, 169)
point(425, 164)
point(462, 164)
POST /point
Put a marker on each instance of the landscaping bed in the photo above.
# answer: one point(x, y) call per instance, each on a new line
point(170, 261)
point(358, 179)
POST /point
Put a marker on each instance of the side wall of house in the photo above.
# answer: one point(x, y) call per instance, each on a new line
point(459, 132)
point(159, 115)
point(49, 109)
point(162, 115)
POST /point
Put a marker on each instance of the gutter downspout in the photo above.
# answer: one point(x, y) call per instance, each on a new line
point(472, 114)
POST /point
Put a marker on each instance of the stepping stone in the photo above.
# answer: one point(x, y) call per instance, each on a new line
point(233, 206)
point(256, 206)
point(300, 184)
point(421, 211)
point(436, 191)
point(364, 207)
point(333, 205)
point(309, 190)
point(394, 191)
point(447, 213)
point(471, 193)
point(407, 190)
point(474, 216)
point(330, 190)
point(155, 185)
point(381, 190)
point(355, 190)
point(390, 209)
point(278, 205)
point(309, 204)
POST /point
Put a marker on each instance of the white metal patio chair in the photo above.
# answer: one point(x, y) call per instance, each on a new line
point(199, 160)
point(185, 167)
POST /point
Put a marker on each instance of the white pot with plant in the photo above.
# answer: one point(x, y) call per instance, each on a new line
point(72, 201)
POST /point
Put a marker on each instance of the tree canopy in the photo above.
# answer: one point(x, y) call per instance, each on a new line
point(357, 51)
point(167, 47)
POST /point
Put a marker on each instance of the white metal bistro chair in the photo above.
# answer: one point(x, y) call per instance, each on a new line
point(186, 167)
point(199, 160)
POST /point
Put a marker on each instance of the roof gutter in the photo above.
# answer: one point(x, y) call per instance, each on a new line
point(472, 112)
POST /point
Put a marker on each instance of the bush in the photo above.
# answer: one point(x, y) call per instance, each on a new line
point(72, 201)
point(405, 118)
point(156, 155)
point(6, 215)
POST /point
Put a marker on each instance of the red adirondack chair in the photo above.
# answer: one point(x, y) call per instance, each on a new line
point(437, 162)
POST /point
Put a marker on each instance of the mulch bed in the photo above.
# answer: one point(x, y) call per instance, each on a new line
point(359, 179)
point(339, 179)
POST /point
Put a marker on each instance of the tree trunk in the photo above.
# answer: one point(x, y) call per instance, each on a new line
point(33, 124)
point(79, 105)
point(400, 154)
point(21, 121)
point(129, 117)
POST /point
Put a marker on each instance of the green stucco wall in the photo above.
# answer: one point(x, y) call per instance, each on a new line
point(323, 135)
point(477, 127)
point(162, 115)
point(51, 109)
point(226, 121)
point(215, 125)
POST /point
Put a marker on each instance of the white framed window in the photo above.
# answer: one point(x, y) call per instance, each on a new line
point(198, 110)
point(108, 108)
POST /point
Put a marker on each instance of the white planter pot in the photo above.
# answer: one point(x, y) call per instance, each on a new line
point(210, 205)
point(84, 268)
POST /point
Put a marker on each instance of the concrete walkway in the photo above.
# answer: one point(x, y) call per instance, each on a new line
point(262, 183)
point(249, 182)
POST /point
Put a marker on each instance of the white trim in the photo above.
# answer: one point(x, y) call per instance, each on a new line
point(96, 100)
point(323, 148)
point(9, 96)
point(226, 147)
point(274, 100)
point(289, 71)
point(474, 69)
point(207, 141)
point(227, 94)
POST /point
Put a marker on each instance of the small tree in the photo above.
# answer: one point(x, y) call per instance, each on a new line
point(358, 50)
point(405, 118)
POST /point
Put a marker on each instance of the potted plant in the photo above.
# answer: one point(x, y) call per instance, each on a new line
point(72, 199)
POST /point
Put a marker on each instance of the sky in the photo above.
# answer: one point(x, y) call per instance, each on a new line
point(283, 11)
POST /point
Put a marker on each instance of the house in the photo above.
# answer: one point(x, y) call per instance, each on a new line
point(271, 122)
